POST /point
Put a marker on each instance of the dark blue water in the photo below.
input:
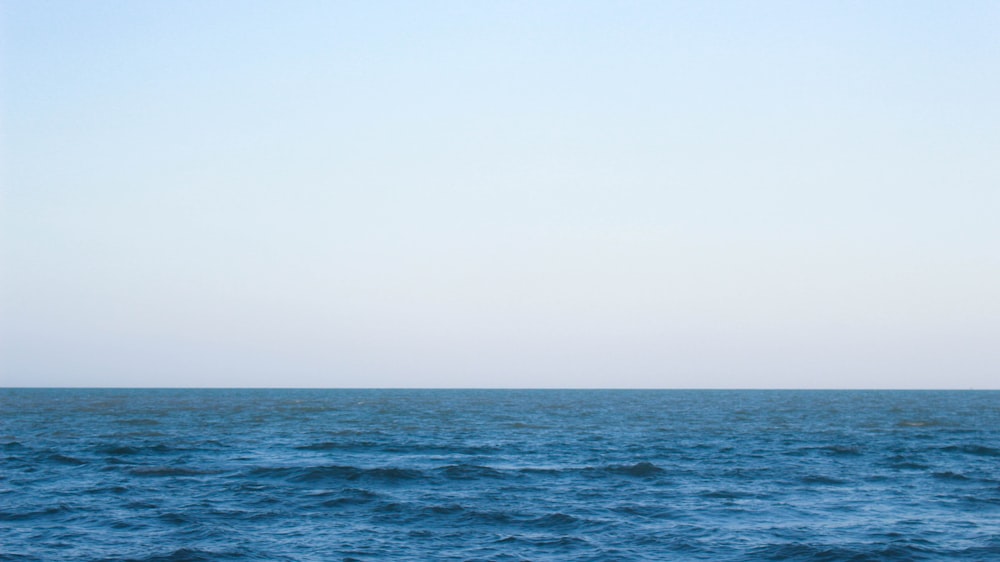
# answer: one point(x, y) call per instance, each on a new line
point(498, 475)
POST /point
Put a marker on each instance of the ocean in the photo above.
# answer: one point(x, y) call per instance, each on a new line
point(173, 475)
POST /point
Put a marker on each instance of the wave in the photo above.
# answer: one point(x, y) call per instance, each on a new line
point(829, 450)
point(829, 553)
point(949, 475)
point(545, 541)
point(979, 501)
point(902, 462)
point(842, 450)
point(470, 472)
point(138, 422)
point(647, 511)
point(640, 469)
point(50, 511)
point(13, 557)
point(65, 459)
point(341, 502)
point(643, 469)
point(560, 521)
point(169, 471)
point(726, 494)
point(523, 425)
point(176, 519)
point(976, 450)
point(100, 491)
point(314, 474)
point(403, 448)
point(819, 479)
point(119, 450)
point(200, 555)
point(918, 423)
point(332, 446)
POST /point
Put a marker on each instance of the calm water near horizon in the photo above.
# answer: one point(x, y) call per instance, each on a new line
point(172, 475)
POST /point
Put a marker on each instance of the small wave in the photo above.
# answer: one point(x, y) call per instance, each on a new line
point(435, 449)
point(821, 480)
point(449, 509)
point(489, 518)
point(949, 475)
point(337, 472)
point(842, 451)
point(978, 553)
point(981, 500)
point(319, 474)
point(37, 514)
point(548, 541)
point(560, 521)
point(177, 519)
point(107, 490)
point(352, 496)
point(917, 423)
point(799, 552)
point(903, 462)
point(522, 425)
point(277, 473)
point(64, 459)
point(124, 525)
point(541, 470)
point(726, 494)
point(469, 472)
point(829, 450)
point(168, 471)
point(138, 422)
point(640, 469)
point(392, 474)
point(818, 553)
point(118, 450)
point(909, 465)
point(13, 557)
point(141, 505)
point(194, 555)
point(332, 446)
point(976, 450)
point(650, 511)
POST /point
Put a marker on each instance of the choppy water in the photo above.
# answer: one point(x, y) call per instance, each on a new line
point(498, 475)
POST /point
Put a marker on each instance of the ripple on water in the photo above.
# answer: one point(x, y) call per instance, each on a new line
point(504, 475)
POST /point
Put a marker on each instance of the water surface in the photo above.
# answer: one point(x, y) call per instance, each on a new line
point(498, 475)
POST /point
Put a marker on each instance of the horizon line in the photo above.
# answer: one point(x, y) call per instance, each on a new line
point(499, 388)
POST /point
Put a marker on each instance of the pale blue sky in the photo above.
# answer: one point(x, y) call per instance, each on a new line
point(500, 194)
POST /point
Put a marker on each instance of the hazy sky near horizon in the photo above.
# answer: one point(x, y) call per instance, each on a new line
point(500, 194)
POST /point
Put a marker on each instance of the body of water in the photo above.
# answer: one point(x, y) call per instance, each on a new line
point(158, 475)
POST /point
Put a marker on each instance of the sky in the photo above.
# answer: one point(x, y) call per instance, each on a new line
point(500, 194)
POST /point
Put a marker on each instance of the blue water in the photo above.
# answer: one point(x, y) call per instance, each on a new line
point(498, 475)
